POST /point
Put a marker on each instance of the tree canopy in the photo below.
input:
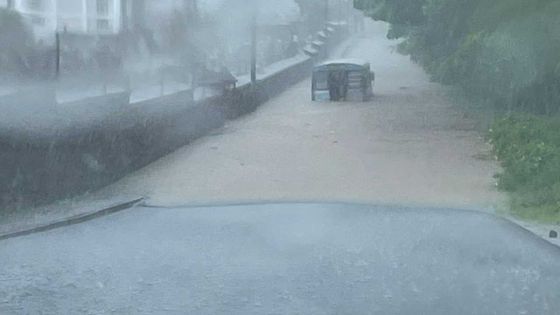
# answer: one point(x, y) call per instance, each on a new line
point(15, 40)
point(312, 12)
point(502, 50)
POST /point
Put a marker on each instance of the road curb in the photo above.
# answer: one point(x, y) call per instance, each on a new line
point(72, 220)
point(537, 230)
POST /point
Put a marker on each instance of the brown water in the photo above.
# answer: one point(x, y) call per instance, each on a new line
point(409, 145)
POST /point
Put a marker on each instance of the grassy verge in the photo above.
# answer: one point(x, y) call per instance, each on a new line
point(528, 148)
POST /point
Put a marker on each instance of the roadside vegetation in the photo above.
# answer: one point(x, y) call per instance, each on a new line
point(504, 53)
point(528, 148)
point(15, 41)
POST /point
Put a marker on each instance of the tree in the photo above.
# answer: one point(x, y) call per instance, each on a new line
point(312, 13)
point(16, 42)
point(503, 51)
point(403, 13)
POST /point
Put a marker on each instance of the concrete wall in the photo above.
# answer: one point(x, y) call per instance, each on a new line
point(101, 146)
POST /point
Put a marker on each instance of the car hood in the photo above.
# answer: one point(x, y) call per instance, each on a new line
point(304, 258)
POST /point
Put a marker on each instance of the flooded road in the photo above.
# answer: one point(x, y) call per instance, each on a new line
point(409, 145)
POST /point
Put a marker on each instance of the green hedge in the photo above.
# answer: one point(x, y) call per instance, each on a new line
point(528, 148)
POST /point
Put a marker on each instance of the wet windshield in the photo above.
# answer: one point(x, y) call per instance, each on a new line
point(279, 156)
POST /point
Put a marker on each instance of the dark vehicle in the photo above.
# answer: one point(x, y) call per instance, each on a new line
point(342, 80)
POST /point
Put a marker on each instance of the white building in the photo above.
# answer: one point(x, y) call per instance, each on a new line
point(73, 16)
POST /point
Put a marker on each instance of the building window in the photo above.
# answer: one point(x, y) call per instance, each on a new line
point(103, 7)
point(102, 25)
point(35, 5)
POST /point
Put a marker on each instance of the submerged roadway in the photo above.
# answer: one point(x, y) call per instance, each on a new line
point(410, 145)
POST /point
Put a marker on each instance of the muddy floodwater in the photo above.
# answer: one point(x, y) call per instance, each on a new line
point(409, 145)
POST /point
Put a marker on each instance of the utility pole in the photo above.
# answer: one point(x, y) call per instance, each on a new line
point(195, 10)
point(254, 43)
point(57, 58)
point(138, 12)
point(10, 4)
point(124, 16)
point(349, 7)
point(327, 13)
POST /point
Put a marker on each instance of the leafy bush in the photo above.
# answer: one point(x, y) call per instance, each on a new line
point(528, 148)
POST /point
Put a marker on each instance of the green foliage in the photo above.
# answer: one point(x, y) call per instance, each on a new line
point(15, 41)
point(505, 51)
point(528, 148)
point(312, 12)
point(398, 12)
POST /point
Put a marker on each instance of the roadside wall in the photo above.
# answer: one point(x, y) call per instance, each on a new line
point(77, 147)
